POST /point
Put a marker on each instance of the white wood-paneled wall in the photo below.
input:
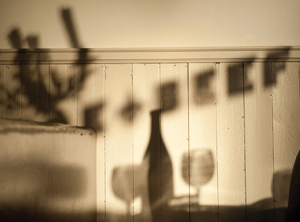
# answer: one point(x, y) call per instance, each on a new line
point(253, 133)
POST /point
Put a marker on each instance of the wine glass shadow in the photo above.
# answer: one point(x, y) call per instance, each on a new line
point(199, 170)
point(122, 184)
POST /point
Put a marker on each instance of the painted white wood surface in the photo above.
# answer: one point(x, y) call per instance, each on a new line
point(87, 93)
point(90, 102)
point(63, 84)
point(83, 154)
point(118, 141)
point(2, 92)
point(43, 107)
point(230, 144)
point(71, 84)
point(258, 139)
point(174, 127)
point(98, 87)
point(253, 133)
point(12, 84)
point(203, 126)
point(47, 170)
point(286, 110)
point(34, 87)
point(146, 84)
point(29, 92)
point(57, 89)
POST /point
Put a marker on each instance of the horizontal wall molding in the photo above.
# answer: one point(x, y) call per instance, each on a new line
point(149, 55)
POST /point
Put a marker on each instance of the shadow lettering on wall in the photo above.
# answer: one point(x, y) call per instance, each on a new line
point(69, 87)
point(202, 88)
point(270, 76)
point(237, 79)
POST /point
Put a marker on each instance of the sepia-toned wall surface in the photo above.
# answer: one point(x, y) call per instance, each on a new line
point(195, 103)
point(155, 23)
point(229, 125)
point(47, 172)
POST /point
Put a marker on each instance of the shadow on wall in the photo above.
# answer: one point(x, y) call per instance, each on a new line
point(293, 212)
point(30, 79)
point(153, 183)
point(31, 186)
point(47, 172)
point(156, 169)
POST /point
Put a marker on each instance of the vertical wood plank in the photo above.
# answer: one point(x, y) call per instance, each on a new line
point(118, 142)
point(98, 75)
point(35, 93)
point(286, 130)
point(230, 143)
point(87, 96)
point(258, 143)
point(174, 126)
point(63, 94)
point(29, 92)
point(57, 91)
point(2, 92)
point(203, 133)
point(70, 104)
point(90, 114)
point(43, 106)
point(146, 83)
point(90, 104)
point(12, 83)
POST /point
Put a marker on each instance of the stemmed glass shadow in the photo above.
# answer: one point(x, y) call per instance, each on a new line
point(122, 184)
point(201, 168)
